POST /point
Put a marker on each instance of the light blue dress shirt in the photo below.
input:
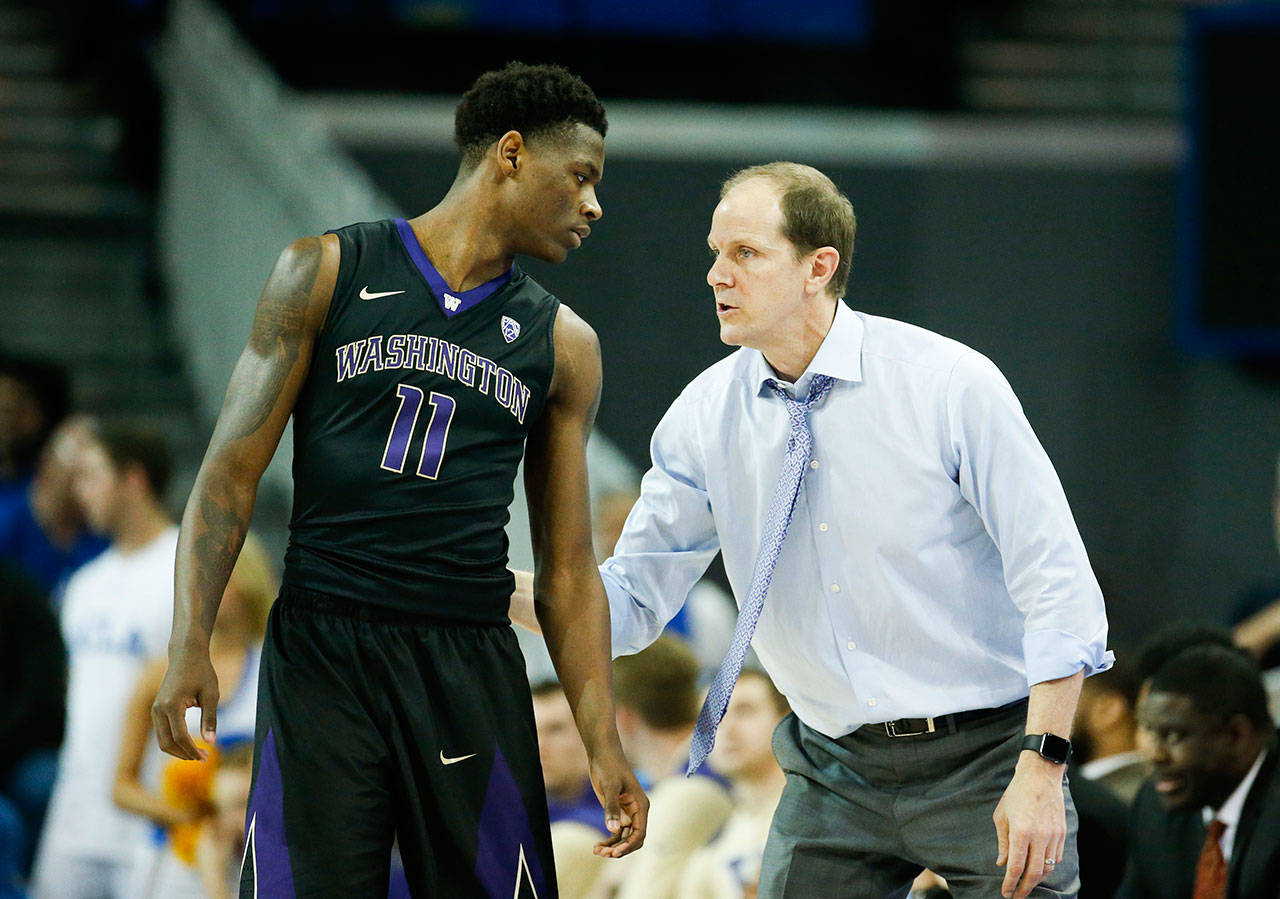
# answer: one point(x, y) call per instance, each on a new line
point(932, 564)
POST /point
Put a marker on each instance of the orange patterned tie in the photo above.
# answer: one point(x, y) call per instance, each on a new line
point(1211, 870)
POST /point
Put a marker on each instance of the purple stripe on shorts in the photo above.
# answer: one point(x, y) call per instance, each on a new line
point(507, 861)
point(268, 851)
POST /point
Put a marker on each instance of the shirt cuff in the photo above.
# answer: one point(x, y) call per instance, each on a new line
point(627, 618)
point(1051, 655)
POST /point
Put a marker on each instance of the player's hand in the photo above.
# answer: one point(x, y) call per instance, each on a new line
point(626, 807)
point(1031, 825)
point(189, 681)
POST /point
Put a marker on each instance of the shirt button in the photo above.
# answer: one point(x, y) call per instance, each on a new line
point(835, 588)
point(851, 645)
point(822, 527)
point(813, 464)
point(871, 702)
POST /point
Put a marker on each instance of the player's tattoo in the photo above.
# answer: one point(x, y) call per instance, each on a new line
point(277, 344)
point(219, 537)
point(279, 327)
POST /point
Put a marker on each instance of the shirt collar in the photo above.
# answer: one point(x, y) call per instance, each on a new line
point(839, 356)
point(1229, 812)
point(1107, 764)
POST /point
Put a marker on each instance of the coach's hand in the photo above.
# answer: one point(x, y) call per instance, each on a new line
point(190, 680)
point(626, 807)
point(1031, 825)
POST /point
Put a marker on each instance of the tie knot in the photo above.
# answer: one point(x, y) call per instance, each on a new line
point(819, 385)
point(1216, 829)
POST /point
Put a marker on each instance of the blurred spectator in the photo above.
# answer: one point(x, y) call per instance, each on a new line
point(220, 846)
point(706, 620)
point(33, 680)
point(657, 699)
point(116, 617)
point(656, 692)
point(1170, 641)
point(729, 866)
point(34, 398)
point(177, 795)
point(43, 531)
point(1257, 614)
point(11, 838)
point(1107, 770)
point(577, 821)
point(1205, 825)
point(1104, 739)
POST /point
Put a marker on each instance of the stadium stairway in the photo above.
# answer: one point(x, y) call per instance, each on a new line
point(76, 263)
point(1075, 57)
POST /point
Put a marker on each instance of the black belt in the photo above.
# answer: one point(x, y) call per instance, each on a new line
point(915, 727)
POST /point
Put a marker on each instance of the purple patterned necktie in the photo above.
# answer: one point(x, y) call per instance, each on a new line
point(794, 464)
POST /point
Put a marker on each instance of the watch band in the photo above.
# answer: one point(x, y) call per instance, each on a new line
point(1050, 747)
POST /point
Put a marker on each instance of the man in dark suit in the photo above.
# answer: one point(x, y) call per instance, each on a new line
point(1207, 823)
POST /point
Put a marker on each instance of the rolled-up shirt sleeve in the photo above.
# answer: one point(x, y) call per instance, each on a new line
point(669, 538)
point(1005, 474)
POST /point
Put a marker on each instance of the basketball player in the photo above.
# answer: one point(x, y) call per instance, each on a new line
point(417, 361)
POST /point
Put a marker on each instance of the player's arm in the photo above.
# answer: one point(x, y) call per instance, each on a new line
point(569, 597)
point(259, 400)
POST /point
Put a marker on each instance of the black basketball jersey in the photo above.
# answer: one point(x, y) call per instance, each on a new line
point(409, 429)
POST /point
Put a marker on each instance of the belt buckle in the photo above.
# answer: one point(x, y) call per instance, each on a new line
point(891, 728)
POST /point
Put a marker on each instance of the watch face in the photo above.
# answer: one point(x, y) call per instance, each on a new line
point(1055, 748)
point(1049, 747)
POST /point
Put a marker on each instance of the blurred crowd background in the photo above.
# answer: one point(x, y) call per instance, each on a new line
point(1083, 190)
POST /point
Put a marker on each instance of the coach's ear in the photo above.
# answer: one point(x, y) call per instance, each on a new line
point(510, 152)
point(822, 268)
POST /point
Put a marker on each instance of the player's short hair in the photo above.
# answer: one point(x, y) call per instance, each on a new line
point(1220, 681)
point(814, 213)
point(660, 683)
point(779, 701)
point(533, 100)
point(130, 443)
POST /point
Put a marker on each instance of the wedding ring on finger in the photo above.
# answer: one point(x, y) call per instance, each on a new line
point(1050, 861)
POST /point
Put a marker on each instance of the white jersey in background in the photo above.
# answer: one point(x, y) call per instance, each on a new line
point(116, 617)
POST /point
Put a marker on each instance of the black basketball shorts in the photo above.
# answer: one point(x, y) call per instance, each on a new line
point(372, 726)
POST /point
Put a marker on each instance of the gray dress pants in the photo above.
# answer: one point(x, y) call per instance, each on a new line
point(862, 815)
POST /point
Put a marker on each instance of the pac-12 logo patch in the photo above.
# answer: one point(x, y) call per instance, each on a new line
point(510, 328)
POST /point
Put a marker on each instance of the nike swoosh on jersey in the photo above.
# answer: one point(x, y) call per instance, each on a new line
point(454, 761)
point(366, 295)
